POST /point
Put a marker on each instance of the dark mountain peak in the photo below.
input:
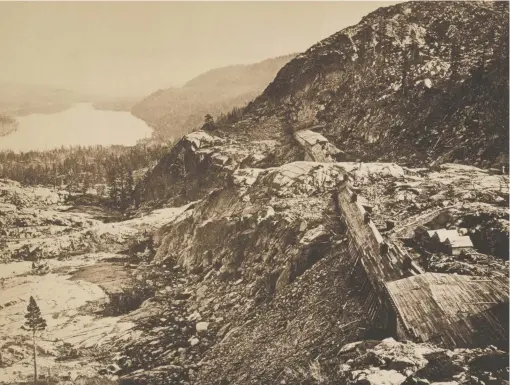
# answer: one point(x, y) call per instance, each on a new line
point(417, 74)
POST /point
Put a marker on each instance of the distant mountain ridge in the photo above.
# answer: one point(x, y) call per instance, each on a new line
point(23, 99)
point(173, 112)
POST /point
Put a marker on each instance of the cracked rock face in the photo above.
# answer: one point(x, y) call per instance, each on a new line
point(200, 162)
point(262, 212)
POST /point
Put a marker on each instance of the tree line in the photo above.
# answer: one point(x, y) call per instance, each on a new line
point(112, 171)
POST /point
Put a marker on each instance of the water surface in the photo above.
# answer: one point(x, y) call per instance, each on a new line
point(81, 125)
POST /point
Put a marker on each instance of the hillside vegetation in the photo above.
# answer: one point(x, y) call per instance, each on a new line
point(21, 99)
point(174, 112)
point(109, 171)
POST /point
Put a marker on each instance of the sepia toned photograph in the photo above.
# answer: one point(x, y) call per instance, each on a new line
point(254, 193)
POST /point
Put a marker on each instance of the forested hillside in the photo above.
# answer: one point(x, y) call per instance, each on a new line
point(174, 112)
point(22, 99)
point(110, 171)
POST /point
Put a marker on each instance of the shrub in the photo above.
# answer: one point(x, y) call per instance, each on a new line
point(66, 352)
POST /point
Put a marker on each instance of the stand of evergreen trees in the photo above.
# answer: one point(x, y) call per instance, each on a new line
point(112, 170)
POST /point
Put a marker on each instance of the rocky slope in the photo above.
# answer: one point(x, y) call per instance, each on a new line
point(174, 112)
point(416, 82)
point(264, 257)
point(266, 268)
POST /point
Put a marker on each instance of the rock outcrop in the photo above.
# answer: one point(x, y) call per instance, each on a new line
point(201, 162)
point(392, 362)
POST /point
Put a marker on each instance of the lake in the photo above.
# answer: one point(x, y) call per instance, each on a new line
point(81, 125)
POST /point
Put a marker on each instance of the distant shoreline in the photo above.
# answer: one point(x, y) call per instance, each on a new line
point(125, 104)
point(7, 132)
point(51, 108)
point(78, 124)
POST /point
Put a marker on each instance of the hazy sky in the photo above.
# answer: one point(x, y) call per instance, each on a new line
point(124, 48)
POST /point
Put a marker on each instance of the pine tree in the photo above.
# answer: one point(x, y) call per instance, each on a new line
point(414, 49)
point(85, 184)
point(113, 187)
point(122, 189)
point(454, 61)
point(381, 48)
point(488, 48)
point(364, 43)
point(500, 53)
point(208, 123)
point(34, 323)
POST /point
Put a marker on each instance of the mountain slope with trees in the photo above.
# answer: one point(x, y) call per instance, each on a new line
point(109, 171)
point(21, 99)
point(174, 112)
point(416, 82)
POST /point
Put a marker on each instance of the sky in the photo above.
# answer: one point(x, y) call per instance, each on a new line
point(135, 48)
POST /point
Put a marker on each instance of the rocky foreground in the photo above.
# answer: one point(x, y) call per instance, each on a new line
point(78, 269)
point(200, 294)
point(266, 268)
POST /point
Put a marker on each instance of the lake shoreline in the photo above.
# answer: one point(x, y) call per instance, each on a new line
point(77, 125)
